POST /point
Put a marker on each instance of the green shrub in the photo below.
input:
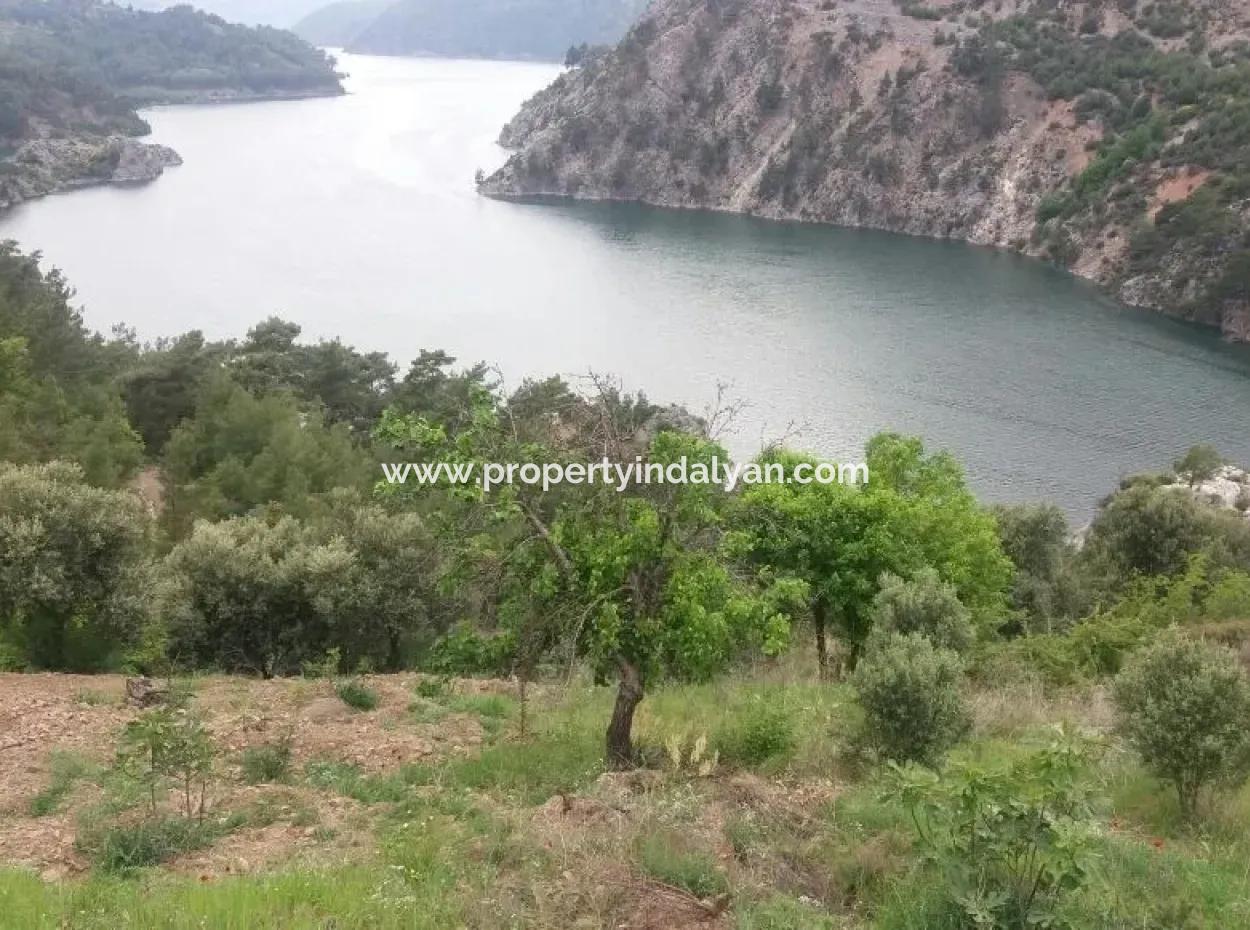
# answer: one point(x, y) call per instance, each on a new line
point(1185, 707)
point(268, 763)
point(464, 651)
point(1011, 842)
point(926, 605)
point(148, 842)
point(763, 731)
point(910, 693)
point(432, 689)
point(356, 694)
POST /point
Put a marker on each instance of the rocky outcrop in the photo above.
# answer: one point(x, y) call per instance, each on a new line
point(995, 128)
point(47, 166)
point(1228, 488)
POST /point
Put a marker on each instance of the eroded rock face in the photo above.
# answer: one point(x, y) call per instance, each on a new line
point(868, 113)
point(47, 166)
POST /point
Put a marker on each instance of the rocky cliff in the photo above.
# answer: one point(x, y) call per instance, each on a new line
point(1111, 136)
point(45, 166)
point(73, 71)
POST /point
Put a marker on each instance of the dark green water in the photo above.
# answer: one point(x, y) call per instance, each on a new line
point(356, 216)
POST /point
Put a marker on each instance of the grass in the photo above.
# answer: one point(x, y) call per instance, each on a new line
point(460, 841)
point(665, 856)
point(268, 763)
point(122, 848)
point(345, 899)
point(356, 694)
point(67, 769)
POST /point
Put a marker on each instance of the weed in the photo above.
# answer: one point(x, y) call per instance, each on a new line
point(270, 762)
point(356, 694)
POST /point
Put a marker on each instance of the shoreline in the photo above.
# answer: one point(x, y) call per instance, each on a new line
point(1104, 290)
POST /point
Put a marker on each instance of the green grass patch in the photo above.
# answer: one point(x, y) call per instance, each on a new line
point(356, 694)
point(667, 857)
point(424, 897)
point(348, 780)
point(122, 848)
point(266, 764)
point(67, 769)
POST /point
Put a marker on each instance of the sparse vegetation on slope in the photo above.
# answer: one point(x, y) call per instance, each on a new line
point(1107, 137)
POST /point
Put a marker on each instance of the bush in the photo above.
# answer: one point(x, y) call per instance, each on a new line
point(762, 732)
point(356, 694)
point(268, 763)
point(465, 652)
point(925, 605)
point(909, 690)
point(1011, 842)
point(148, 842)
point(1185, 707)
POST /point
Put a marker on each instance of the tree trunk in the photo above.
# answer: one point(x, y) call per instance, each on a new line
point(620, 744)
point(820, 621)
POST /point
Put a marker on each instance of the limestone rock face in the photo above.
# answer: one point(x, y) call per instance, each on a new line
point(48, 166)
point(883, 114)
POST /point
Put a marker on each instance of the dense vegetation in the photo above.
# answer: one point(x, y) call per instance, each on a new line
point(192, 505)
point(68, 67)
point(542, 29)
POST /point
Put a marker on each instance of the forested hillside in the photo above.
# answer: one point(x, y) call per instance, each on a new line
point(816, 693)
point(1107, 136)
point(542, 29)
point(72, 74)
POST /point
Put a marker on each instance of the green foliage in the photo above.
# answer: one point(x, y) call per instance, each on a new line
point(170, 746)
point(245, 595)
point(910, 693)
point(925, 605)
point(267, 763)
point(763, 732)
point(356, 694)
point(1199, 464)
point(1184, 707)
point(67, 770)
point(1145, 529)
point(125, 847)
point(1037, 540)
point(57, 396)
point(463, 651)
point(1010, 842)
point(106, 58)
point(240, 452)
point(73, 564)
point(915, 512)
point(666, 856)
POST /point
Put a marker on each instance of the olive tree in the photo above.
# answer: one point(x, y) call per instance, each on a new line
point(245, 595)
point(1185, 707)
point(73, 560)
point(923, 604)
point(910, 693)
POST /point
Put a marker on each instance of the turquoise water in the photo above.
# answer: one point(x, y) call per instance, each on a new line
point(356, 216)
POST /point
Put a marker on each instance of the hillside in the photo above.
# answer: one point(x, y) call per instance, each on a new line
point(281, 13)
point(74, 73)
point(542, 29)
point(338, 24)
point(1109, 137)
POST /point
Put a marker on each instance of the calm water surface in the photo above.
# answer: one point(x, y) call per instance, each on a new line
point(356, 216)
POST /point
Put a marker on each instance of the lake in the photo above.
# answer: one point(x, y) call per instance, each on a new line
point(356, 216)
